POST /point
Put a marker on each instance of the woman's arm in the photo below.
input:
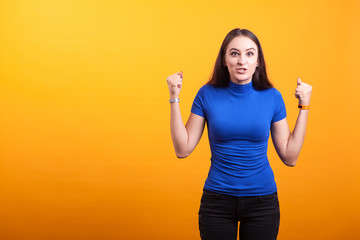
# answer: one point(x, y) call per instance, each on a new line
point(288, 144)
point(185, 138)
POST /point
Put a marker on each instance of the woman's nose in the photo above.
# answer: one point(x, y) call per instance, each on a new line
point(241, 60)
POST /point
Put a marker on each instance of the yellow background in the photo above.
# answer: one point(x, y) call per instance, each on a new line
point(85, 142)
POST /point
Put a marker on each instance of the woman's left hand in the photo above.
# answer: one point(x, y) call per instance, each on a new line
point(303, 92)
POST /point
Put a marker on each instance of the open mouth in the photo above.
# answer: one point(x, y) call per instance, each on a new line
point(241, 70)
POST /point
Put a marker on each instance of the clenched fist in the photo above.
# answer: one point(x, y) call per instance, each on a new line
point(303, 92)
point(174, 83)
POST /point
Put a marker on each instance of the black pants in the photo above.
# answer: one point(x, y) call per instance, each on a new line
point(219, 215)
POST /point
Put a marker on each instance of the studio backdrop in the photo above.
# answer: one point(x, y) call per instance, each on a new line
point(85, 145)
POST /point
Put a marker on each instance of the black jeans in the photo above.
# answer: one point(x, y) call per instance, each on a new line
point(219, 215)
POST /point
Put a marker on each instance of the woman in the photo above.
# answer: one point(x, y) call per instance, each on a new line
point(240, 107)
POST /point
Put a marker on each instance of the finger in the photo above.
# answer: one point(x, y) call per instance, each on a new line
point(299, 89)
point(304, 88)
point(174, 78)
point(174, 75)
point(178, 80)
point(175, 83)
point(297, 95)
point(175, 86)
point(298, 81)
point(181, 74)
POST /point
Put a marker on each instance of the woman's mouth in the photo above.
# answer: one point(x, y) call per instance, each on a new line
point(241, 70)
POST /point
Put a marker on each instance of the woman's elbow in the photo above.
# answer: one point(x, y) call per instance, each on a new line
point(290, 162)
point(183, 152)
point(181, 155)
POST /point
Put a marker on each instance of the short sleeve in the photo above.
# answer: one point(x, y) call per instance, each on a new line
point(279, 107)
point(198, 104)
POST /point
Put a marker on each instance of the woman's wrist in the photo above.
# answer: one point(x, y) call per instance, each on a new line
point(174, 96)
point(172, 100)
point(304, 103)
point(303, 107)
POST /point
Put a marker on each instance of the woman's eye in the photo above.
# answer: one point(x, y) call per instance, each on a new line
point(250, 53)
point(234, 53)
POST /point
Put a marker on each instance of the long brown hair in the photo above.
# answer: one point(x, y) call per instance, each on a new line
point(221, 76)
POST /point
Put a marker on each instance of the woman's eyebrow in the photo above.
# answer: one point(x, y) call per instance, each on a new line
point(245, 50)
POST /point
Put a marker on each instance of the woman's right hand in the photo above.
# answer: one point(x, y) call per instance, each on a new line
point(174, 83)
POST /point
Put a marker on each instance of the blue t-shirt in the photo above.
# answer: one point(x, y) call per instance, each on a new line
point(239, 118)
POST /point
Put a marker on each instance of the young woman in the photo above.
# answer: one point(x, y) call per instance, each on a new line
point(240, 106)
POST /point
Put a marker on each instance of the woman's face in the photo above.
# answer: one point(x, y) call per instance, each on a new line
point(241, 59)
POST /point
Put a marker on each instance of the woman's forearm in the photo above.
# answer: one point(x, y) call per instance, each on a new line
point(296, 138)
point(184, 137)
point(179, 133)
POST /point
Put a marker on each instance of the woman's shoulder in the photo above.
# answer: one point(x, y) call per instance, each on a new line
point(275, 94)
point(271, 94)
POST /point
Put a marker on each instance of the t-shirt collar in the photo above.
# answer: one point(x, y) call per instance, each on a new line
point(240, 88)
